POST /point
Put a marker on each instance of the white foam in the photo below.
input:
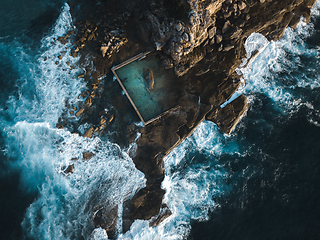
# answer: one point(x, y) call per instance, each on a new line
point(190, 187)
point(99, 234)
point(65, 207)
point(65, 204)
point(43, 85)
point(264, 74)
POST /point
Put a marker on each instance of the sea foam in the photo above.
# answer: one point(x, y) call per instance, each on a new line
point(66, 203)
point(274, 71)
point(194, 176)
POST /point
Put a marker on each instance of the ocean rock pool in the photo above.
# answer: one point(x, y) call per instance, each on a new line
point(149, 99)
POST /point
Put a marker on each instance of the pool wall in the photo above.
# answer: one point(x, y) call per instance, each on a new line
point(115, 68)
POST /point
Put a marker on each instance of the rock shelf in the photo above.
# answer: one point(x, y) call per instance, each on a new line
point(202, 48)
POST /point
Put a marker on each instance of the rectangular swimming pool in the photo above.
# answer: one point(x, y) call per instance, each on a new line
point(147, 86)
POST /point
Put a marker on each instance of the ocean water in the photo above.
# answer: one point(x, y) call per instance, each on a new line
point(261, 182)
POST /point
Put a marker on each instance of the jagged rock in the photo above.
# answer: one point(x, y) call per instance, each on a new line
point(235, 33)
point(185, 37)
point(88, 102)
point(191, 104)
point(88, 133)
point(81, 110)
point(110, 118)
point(179, 27)
point(106, 218)
point(309, 3)
point(226, 27)
point(104, 49)
point(102, 121)
point(228, 117)
point(164, 213)
point(166, 63)
point(241, 5)
point(183, 44)
point(228, 47)
point(69, 169)
point(146, 203)
point(222, 91)
point(218, 38)
point(59, 126)
point(189, 61)
point(212, 7)
point(87, 155)
point(212, 32)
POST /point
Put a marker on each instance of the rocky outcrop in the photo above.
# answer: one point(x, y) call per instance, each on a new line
point(164, 213)
point(146, 203)
point(106, 217)
point(228, 117)
point(202, 41)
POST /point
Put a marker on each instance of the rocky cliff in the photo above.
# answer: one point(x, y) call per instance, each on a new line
point(202, 41)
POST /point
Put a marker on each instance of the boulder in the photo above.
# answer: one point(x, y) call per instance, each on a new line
point(88, 133)
point(148, 76)
point(146, 203)
point(87, 155)
point(106, 218)
point(68, 169)
point(81, 110)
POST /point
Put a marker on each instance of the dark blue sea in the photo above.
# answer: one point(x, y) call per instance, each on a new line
point(260, 182)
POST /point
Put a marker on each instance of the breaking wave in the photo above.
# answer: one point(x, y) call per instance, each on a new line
point(194, 176)
point(66, 202)
point(280, 71)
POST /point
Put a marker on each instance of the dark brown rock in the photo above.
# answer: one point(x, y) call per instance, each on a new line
point(87, 155)
point(212, 32)
point(88, 133)
point(309, 3)
point(164, 213)
point(88, 102)
point(294, 21)
point(106, 218)
point(81, 110)
point(69, 169)
point(228, 117)
point(146, 203)
point(204, 50)
point(59, 126)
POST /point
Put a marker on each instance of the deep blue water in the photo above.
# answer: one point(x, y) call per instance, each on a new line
point(261, 182)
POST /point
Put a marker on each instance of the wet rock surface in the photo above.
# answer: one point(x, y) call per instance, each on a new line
point(202, 42)
point(148, 76)
point(228, 117)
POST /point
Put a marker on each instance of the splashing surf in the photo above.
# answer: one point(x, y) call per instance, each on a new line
point(194, 176)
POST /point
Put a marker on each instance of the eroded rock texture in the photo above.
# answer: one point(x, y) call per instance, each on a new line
point(202, 41)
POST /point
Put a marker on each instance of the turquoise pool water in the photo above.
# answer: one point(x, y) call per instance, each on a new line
point(150, 103)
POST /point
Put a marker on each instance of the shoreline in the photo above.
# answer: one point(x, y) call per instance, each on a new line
point(200, 98)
